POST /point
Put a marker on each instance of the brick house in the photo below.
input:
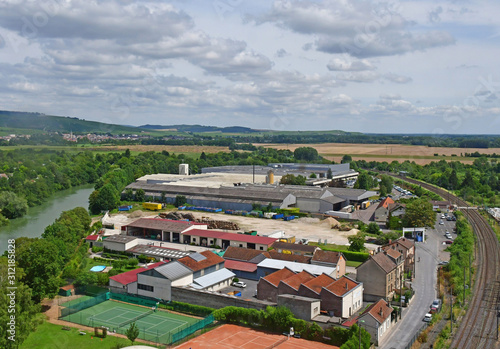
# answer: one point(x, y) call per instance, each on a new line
point(377, 320)
point(343, 297)
point(381, 274)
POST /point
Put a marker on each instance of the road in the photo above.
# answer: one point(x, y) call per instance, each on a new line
point(430, 253)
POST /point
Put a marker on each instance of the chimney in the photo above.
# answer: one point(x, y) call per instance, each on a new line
point(346, 286)
point(381, 312)
point(390, 241)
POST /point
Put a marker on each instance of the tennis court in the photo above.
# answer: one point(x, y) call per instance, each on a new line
point(155, 326)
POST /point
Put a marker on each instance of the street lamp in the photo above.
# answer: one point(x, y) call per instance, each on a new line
point(359, 330)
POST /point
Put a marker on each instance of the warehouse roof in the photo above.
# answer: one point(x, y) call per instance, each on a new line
point(239, 265)
point(296, 267)
point(158, 251)
point(174, 270)
point(162, 224)
point(212, 278)
point(123, 239)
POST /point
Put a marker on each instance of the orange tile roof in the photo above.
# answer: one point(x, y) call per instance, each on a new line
point(297, 279)
point(342, 286)
point(319, 282)
point(385, 203)
point(211, 259)
point(379, 310)
point(279, 275)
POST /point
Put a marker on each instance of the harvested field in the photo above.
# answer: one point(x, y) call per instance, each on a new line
point(390, 152)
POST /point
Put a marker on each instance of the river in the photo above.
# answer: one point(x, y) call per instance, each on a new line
point(33, 224)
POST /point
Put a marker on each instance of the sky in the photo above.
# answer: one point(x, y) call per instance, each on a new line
point(365, 66)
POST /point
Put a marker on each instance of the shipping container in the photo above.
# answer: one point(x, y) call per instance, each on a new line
point(151, 206)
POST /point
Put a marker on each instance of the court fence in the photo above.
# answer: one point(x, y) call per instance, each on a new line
point(68, 312)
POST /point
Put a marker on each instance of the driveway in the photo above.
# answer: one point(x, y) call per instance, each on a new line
point(247, 292)
point(430, 253)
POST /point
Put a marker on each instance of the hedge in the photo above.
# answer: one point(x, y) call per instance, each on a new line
point(188, 308)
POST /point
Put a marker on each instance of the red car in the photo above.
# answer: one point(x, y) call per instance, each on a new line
point(448, 242)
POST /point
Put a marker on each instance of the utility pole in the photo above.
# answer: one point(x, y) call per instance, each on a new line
point(451, 309)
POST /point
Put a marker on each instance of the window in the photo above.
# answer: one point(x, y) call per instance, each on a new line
point(262, 248)
point(241, 245)
point(145, 287)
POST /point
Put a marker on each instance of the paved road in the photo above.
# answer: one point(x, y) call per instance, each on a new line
point(430, 253)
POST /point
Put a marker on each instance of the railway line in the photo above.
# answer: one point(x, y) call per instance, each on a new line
point(478, 328)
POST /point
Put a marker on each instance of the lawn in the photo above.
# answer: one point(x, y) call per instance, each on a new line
point(330, 247)
point(353, 264)
point(50, 336)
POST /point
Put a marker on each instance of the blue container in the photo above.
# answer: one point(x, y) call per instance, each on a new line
point(278, 216)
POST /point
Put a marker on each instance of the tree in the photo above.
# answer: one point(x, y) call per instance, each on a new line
point(382, 190)
point(419, 213)
point(106, 198)
point(140, 195)
point(129, 195)
point(180, 200)
point(373, 228)
point(306, 154)
point(364, 181)
point(11, 205)
point(132, 332)
point(329, 173)
point(292, 180)
point(313, 175)
point(357, 242)
point(346, 159)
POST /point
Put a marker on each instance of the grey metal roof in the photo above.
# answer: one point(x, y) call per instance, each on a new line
point(197, 257)
point(158, 251)
point(333, 199)
point(173, 270)
point(123, 239)
point(296, 267)
point(212, 278)
point(351, 194)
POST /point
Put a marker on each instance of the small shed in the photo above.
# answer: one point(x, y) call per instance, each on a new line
point(67, 290)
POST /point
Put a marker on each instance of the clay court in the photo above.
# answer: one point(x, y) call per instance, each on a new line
point(232, 337)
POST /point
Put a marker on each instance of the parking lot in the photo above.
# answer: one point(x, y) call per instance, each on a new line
point(246, 292)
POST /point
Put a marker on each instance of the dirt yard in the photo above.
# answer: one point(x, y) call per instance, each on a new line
point(309, 228)
point(382, 152)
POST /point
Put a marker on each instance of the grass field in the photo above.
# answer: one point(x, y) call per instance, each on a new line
point(156, 327)
point(382, 152)
point(50, 336)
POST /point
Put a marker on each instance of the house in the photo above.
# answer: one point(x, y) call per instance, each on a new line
point(382, 210)
point(291, 285)
point(312, 288)
point(202, 263)
point(267, 288)
point(288, 248)
point(128, 281)
point(407, 249)
point(441, 205)
point(397, 209)
point(343, 297)
point(269, 266)
point(158, 282)
point(376, 319)
point(381, 275)
point(92, 239)
point(330, 259)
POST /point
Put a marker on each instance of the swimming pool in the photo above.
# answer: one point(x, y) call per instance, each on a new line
point(98, 268)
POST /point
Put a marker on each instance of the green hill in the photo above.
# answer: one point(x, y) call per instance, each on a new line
point(200, 128)
point(50, 123)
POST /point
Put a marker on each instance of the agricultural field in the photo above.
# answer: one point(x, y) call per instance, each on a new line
point(391, 152)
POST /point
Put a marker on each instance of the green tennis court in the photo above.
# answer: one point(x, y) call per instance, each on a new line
point(155, 326)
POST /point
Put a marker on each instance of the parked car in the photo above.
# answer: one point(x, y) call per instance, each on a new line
point(427, 317)
point(435, 306)
point(449, 237)
point(441, 222)
point(443, 262)
point(239, 284)
point(447, 242)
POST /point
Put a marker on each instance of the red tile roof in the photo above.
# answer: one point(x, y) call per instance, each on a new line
point(241, 266)
point(68, 287)
point(211, 259)
point(342, 286)
point(92, 237)
point(319, 282)
point(262, 240)
point(385, 203)
point(131, 276)
point(277, 276)
point(379, 310)
point(294, 281)
point(326, 256)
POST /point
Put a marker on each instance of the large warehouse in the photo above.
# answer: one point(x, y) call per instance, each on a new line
point(229, 190)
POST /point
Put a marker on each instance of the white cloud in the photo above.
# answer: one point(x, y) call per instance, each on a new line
point(338, 64)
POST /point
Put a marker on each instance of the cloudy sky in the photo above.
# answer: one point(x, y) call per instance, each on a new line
point(397, 66)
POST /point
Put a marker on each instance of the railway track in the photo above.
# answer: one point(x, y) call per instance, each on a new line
point(478, 328)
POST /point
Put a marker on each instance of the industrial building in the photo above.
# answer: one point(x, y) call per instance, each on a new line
point(239, 191)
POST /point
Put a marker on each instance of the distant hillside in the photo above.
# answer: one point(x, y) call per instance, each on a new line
point(200, 128)
point(51, 123)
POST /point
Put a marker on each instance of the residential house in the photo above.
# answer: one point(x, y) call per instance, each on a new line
point(330, 259)
point(397, 209)
point(158, 282)
point(376, 319)
point(343, 297)
point(382, 210)
point(381, 275)
point(407, 248)
point(128, 281)
point(312, 288)
point(202, 263)
point(291, 285)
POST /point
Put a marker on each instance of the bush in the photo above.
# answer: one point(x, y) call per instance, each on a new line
point(96, 249)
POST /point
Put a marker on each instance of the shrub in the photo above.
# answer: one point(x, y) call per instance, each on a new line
point(96, 249)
